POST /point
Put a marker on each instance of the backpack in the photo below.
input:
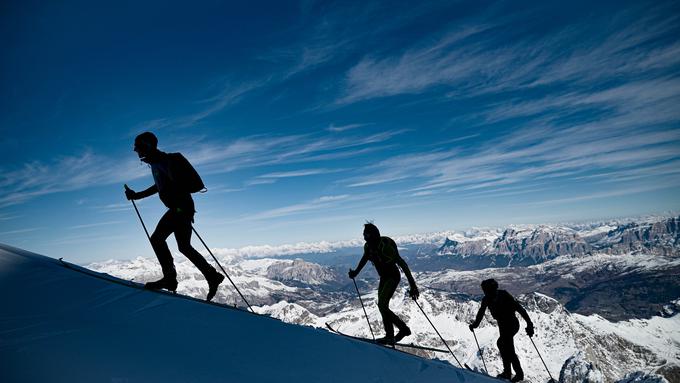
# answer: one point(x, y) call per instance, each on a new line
point(184, 174)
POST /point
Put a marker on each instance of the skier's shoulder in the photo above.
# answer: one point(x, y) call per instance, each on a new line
point(387, 241)
point(505, 295)
point(174, 156)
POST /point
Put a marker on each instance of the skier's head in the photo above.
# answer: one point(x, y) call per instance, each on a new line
point(371, 232)
point(489, 286)
point(146, 146)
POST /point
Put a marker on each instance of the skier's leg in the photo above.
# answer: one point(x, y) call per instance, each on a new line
point(183, 236)
point(386, 289)
point(514, 360)
point(163, 230)
point(503, 350)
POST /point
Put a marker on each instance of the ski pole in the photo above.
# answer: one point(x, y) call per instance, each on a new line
point(139, 215)
point(362, 306)
point(480, 352)
point(539, 355)
point(440, 335)
point(225, 273)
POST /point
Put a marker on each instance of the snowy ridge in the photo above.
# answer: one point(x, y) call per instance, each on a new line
point(620, 286)
point(615, 349)
point(86, 329)
point(610, 346)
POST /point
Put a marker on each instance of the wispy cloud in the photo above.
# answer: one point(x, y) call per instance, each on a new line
point(606, 194)
point(229, 95)
point(475, 59)
point(342, 128)
point(529, 155)
point(97, 224)
point(270, 178)
point(19, 231)
point(296, 173)
point(323, 202)
point(69, 173)
point(115, 207)
point(8, 217)
point(66, 173)
point(603, 108)
point(260, 151)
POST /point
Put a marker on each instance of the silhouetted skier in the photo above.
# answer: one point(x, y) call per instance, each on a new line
point(383, 253)
point(174, 180)
point(503, 307)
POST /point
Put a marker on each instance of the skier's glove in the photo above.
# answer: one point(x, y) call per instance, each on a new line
point(352, 273)
point(530, 330)
point(130, 194)
point(413, 292)
point(473, 326)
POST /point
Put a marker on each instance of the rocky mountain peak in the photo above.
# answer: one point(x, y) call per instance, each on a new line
point(540, 302)
point(577, 369)
point(540, 244)
point(301, 271)
point(659, 238)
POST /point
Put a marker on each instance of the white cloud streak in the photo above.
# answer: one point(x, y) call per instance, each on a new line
point(66, 173)
point(69, 173)
point(323, 202)
point(471, 61)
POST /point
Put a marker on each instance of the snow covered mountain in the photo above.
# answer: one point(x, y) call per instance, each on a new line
point(528, 245)
point(568, 342)
point(603, 295)
point(515, 247)
point(656, 237)
point(65, 325)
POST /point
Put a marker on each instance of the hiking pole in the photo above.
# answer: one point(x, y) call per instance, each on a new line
point(139, 215)
point(362, 306)
point(480, 352)
point(225, 273)
point(539, 355)
point(440, 335)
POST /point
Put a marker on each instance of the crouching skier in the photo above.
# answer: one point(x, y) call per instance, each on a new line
point(503, 307)
point(383, 253)
point(175, 179)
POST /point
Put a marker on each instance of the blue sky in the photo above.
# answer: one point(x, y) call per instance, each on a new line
point(306, 119)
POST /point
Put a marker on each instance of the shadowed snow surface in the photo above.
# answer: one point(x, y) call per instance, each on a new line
point(60, 325)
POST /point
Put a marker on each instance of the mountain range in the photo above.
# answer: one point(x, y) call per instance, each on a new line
point(603, 295)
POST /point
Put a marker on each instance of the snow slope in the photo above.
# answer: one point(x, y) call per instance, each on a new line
point(61, 325)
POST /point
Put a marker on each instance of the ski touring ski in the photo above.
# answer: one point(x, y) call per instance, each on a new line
point(406, 345)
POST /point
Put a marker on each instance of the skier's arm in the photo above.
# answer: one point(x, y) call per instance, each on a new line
point(525, 316)
point(480, 315)
point(404, 267)
point(413, 289)
point(133, 195)
point(362, 263)
point(148, 192)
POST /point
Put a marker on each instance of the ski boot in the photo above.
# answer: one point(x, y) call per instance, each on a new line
point(402, 334)
point(517, 378)
point(213, 283)
point(169, 284)
point(386, 340)
point(504, 375)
